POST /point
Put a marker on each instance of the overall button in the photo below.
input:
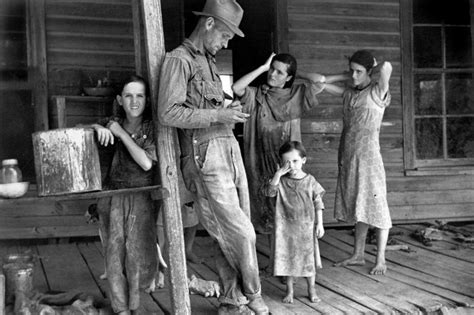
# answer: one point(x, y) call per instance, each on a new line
point(195, 141)
point(197, 157)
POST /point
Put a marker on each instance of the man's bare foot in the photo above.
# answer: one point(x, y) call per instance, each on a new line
point(313, 297)
point(191, 257)
point(380, 268)
point(288, 298)
point(351, 261)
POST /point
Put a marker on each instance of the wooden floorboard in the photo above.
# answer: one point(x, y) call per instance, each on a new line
point(426, 280)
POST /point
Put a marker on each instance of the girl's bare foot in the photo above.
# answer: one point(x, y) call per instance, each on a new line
point(313, 297)
point(288, 298)
point(351, 261)
point(289, 290)
point(379, 269)
point(124, 313)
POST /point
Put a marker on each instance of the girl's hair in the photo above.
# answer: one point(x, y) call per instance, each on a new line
point(135, 78)
point(290, 146)
point(364, 58)
point(290, 61)
point(138, 79)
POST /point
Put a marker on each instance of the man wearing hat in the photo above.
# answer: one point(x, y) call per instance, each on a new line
point(191, 98)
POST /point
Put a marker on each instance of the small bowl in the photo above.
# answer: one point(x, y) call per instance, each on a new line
point(13, 190)
point(99, 91)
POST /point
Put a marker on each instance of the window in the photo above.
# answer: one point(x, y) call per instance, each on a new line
point(438, 83)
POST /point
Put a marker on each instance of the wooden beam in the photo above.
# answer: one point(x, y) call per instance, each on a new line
point(137, 36)
point(407, 83)
point(165, 144)
point(281, 26)
point(38, 61)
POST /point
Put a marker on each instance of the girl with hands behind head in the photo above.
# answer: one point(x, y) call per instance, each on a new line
point(299, 213)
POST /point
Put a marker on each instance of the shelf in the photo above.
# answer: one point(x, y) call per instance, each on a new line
point(157, 191)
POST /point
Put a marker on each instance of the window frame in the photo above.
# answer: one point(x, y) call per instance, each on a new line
point(411, 164)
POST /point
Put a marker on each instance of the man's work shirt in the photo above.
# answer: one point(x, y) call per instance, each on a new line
point(190, 93)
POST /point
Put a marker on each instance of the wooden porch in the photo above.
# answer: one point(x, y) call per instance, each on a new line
point(421, 280)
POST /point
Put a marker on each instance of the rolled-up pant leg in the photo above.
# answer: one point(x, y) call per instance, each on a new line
point(224, 210)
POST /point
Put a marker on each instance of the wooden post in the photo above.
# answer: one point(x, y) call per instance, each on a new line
point(137, 36)
point(165, 144)
point(38, 61)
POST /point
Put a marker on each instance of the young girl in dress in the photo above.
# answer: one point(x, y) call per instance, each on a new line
point(298, 220)
point(127, 221)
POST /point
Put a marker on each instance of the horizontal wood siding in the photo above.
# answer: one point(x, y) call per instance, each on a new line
point(321, 35)
point(85, 41)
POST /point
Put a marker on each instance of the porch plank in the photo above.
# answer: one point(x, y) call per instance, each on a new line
point(340, 303)
point(407, 276)
point(66, 270)
point(95, 261)
point(448, 247)
point(449, 278)
point(420, 300)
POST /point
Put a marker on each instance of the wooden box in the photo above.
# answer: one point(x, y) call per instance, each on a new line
point(66, 161)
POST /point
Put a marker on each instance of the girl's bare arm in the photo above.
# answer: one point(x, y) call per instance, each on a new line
point(241, 84)
point(138, 154)
point(385, 69)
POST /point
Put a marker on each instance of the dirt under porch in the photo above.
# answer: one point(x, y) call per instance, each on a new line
point(421, 279)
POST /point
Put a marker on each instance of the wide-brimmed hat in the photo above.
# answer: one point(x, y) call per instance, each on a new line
point(227, 11)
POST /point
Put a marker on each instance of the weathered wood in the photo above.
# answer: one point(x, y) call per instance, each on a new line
point(445, 277)
point(66, 161)
point(38, 61)
point(48, 232)
point(77, 26)
point(359, 10)
point(165, 143)
point(409, 284)
point(314, 37)
point(407, 83)
point(98, 9)
point(69, 111)
point(340, 23)
point(107, 42)
point(157, 190)
point(281, 39)
point(137, 36)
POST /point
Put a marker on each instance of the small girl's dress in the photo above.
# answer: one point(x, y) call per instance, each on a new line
point(127, 223)
point(296, 251)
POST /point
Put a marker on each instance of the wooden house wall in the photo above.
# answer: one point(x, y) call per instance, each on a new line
point(84, 38)
point(321, 35)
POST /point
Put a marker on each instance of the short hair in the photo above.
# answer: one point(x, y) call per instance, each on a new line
point(290, 146)
point(135, 78)
point(364, 58)
point(290, 61)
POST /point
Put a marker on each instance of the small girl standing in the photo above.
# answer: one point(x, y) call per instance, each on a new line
point(298, 220)
point(127, 221)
